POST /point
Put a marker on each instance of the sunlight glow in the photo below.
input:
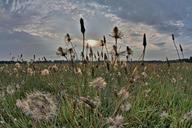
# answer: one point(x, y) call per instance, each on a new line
point(92, 43)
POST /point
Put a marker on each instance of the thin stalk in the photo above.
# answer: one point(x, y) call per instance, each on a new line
point(173, 38)
point(74, 49)
point(83, 46)
point(176, 49)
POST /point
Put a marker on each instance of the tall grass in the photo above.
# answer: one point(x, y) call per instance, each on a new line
point(173, 38)
point(83, 33)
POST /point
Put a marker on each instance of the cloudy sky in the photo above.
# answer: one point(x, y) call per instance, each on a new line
point(39, 26)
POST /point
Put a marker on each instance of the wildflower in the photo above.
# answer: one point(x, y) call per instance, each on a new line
point(2, 94)
point(18, 86)
point(2, 122)
point(146, 83)
point(164, 114)
point(188, 116)
point(135, 76)
point(116, 34)
point(17, 65)
point(78, 71)
point(146, 92)
point(98, 83)
point(10, 90)
point(38, 105)
point(30, 71)
point(97, 101)
point(55, 68)
point(144, 74)
point(2, 68)
point(45, 72)
point(119, 73)
point(123, 93)
point(126, 107)
point(145, 68)
point(15, 70)
point(173, 80)
point(61, 52)
point(116, 122)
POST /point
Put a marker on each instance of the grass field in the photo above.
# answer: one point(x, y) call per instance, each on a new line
point(93, 96)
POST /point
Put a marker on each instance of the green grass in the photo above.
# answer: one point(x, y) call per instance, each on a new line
point(166, 95)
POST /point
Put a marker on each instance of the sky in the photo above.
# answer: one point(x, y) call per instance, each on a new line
point(39, 26)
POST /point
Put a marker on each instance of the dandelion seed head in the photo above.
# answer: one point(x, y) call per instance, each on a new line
point(164, 114)
point(45, 72)
point(188, 116)
point(144, 74)
point(30, 71)
point(126, 107)
point(10, 90)
point(123, 93)
point(98, 83)
point(116, 122)
point(55, 68)
point(17, 65)
point(15, 70)
point(38, 105)
point(173, 80)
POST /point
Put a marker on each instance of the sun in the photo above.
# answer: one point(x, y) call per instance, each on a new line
point(92, 43)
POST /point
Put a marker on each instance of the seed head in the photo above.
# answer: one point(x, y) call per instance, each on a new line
point(144, 40)
point(173, 37)
point(82, 25)
point(116, 122)
point(38, 105)
point(98, 83)
point(68, 38)
point(181, 48)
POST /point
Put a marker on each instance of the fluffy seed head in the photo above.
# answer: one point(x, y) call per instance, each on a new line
point(116, 122)
point(98, 83)
point(45, 72)
point(38, 105)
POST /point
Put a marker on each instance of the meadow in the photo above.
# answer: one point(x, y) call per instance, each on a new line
point(102, 95)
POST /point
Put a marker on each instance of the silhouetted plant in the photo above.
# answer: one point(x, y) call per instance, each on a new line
point(62, 52)
point(181, 49)
point(98, 55)
point(129, 52)
point(144, 47)
point(34, 57)
point(173, 38)
point(91, 53)
point(168, 63)
point(83, 32)
point(105, 44)
point(68, 40)
point(116, 34)
point(102, 46)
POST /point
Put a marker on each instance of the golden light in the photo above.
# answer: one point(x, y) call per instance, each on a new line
point(92, 43)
